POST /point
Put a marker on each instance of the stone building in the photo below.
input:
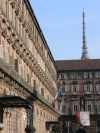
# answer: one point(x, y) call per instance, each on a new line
point(27, 70)
point(81, 80)
point(80, 90)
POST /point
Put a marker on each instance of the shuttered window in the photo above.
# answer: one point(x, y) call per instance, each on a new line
point(89, 106)
point(88, 88)
point(97, 74)
point(62, 76)
point(74, 88)
point(75, 106)
point(87, 74)
point(73, 75)
point(63, 88)
point(98, 107)
point(98, 87)
point(63, 109)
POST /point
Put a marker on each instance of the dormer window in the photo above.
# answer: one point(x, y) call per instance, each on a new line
point(97, 74)
point(73, 75)
point(87, 74)
point(62, 75)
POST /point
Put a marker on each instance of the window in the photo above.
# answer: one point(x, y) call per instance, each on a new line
point(87, 74)
point(98, 107)
point(63, 109)
point(73, 75)
point(62, 75)
point(74, 88)
point(63, 88)
point(89, 105)
point(42, 91)
point(97, 74)
point(89, 108)
point(98, 87)
point(75, 106)
point(88, 88)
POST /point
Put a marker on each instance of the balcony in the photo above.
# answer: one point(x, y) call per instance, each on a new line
point(74, 93)
point(87, 93)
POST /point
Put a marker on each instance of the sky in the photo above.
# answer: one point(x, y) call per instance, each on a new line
point(61, 24)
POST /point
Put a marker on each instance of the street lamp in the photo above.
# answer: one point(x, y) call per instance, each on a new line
point(1, 126)
point(68, 124)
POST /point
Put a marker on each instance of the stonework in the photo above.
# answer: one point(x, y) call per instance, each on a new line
point(27, 68)
point(79, 92)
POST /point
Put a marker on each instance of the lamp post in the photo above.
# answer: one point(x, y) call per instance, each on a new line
point(68, 123)
point(1, 118)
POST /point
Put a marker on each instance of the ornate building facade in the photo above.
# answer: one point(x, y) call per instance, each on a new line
point(27, 68)
point(80, 90)
point(81, 81)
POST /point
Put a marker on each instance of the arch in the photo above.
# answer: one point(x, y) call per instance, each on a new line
point(74, 83)
point(88, 82)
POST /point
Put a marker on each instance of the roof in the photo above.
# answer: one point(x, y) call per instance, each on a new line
point(90, 64)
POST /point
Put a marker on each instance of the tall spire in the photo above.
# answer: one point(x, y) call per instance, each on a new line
point(84, 53)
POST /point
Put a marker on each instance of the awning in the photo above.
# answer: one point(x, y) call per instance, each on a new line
point(53, 122)
point(9, 101)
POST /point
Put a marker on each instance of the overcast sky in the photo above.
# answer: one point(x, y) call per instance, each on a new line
point(61, 24)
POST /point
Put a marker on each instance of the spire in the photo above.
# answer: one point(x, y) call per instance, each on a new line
point(84, 53)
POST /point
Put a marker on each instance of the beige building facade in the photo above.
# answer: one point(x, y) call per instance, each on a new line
point(27, 68)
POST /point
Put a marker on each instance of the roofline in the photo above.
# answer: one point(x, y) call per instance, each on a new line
point(39, 29)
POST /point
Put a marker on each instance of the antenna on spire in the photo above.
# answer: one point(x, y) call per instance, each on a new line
point(84, 53)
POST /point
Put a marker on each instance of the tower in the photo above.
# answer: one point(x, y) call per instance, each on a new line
point(84, 53)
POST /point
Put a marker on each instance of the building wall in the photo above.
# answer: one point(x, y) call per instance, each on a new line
point(27, 59)
point(87, 87)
